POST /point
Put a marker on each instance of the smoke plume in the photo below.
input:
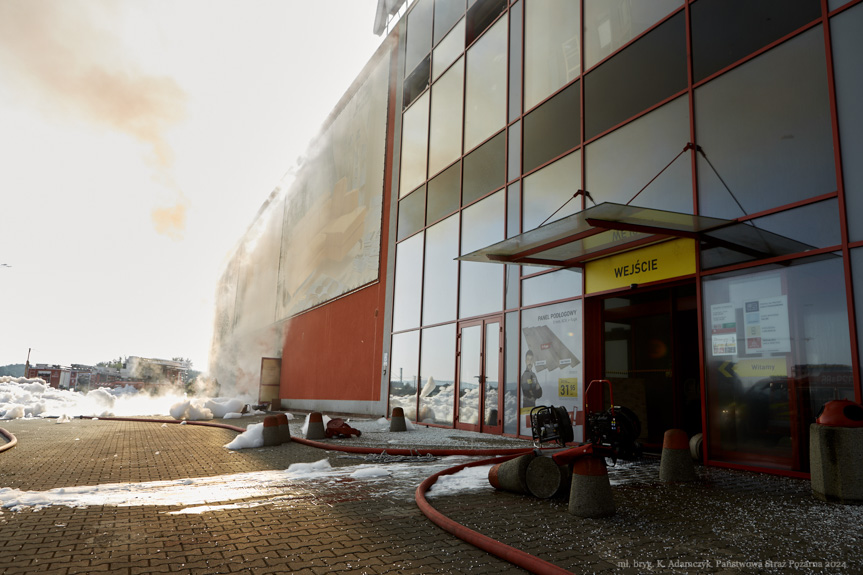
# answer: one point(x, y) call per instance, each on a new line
point(77, 68)
point(64, 59)
point(170, 221)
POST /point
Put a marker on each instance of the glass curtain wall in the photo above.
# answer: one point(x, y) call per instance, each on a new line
point(527, 102)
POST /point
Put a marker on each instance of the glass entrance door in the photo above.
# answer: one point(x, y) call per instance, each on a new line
point(650, 354)
point(480, 345)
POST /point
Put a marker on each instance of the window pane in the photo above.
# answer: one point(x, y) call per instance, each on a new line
point(857, 276)
point(513, 209)
point(481, 284)
point(404, 364)
point(485, 106)
point(552, 286)
point(770, 149)
point(416, 83)
point(549, 188)
point(516, 19)
point(443, 193)
point(408, 281)
point(510, 388)
point(513, 281)
point(415, 126)
point(469, 373)
point(552, 53)
point(411, 213)
point(773, 337)
point(755, 25)
point(513, 162)
point(419, 34)
point(447, 13)
point(480, 15)
point(441, 275)
point(491, 386)
point(553, 128)
point(484, 169)
point(847, 47)
point(446, 106)
point(448, 50)
point(437, 396)
point(482, 223)
point(624, 161)
point(481, 289)
point(642, 74)
point(609, 24)
point(816, 225)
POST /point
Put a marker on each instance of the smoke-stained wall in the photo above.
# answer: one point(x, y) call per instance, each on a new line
point(258, 268)
point(304, 282)
point(332, 235)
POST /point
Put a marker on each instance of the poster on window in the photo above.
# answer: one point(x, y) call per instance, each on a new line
point(766, 324)
point(723, 330)
point(551, 347)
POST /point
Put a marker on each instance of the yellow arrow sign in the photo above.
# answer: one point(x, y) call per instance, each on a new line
point(762, 367)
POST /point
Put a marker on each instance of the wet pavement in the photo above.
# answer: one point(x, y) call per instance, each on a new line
point(140, 497)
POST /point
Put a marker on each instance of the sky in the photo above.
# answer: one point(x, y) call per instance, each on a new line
point(137, 142)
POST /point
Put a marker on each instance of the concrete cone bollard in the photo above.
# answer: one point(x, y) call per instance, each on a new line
point(676, 463)
point(696, 447)
point(316, 426)
point(284, 428)
point(271, 431)
point(511, 475)
point(397, 420)
point(546, 479)
point(590, 494)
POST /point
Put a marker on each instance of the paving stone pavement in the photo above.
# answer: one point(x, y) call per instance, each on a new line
point(308, 529)
point(726, 522)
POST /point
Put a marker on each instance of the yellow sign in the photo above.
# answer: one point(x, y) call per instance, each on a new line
point(649, 264)
point(765, 367)
point(567, 387)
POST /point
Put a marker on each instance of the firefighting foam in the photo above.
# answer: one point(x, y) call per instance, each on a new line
point(33, 398)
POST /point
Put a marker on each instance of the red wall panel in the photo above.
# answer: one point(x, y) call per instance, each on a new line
point(333, 352)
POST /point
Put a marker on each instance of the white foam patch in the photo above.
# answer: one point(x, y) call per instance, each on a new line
point(22, 398)
point(252, 437)
point(467, 479)
point(307, 470)
point(370, 473)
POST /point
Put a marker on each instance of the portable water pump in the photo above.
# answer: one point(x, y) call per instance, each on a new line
point(612, 433)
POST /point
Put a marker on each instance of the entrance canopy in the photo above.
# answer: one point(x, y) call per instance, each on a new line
point(610, 228)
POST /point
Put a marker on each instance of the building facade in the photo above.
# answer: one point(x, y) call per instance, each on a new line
point(576, 191)
point(140, 372)
point(56, 376)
